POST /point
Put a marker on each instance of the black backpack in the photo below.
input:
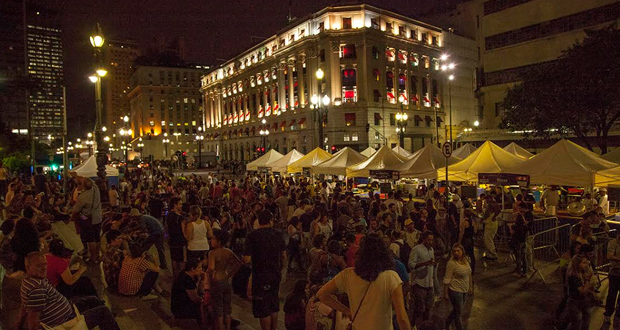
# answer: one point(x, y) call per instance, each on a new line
point(405, 251)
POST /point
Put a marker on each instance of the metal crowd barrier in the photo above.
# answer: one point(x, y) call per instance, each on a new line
point(546, 248)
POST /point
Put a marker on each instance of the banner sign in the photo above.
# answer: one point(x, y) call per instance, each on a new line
point(385, 174)
point(504, 179)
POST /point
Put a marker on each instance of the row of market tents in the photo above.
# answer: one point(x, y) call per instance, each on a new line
point(564, 163)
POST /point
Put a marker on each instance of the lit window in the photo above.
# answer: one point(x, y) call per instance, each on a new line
point(354, 137)
point(347, 51)
point(347, 137)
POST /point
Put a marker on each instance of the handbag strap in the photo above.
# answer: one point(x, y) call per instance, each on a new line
point(361, 302)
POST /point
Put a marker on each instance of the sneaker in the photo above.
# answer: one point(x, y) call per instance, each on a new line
point(149, 297)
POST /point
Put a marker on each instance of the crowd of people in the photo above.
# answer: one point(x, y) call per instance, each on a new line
point(369, 263)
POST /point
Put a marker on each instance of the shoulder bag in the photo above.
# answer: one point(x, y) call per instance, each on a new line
point(77, 323)
point(350, 326)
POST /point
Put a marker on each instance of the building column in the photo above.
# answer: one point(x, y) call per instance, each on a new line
point(282, 86)
point(291, 93)
point(300, 79)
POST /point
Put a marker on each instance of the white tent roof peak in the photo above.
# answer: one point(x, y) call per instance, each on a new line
point(281, 164)
point(263, 160)
point(401, 151)
point(368, 151)
point(384, 159)
point(312, 158)
point(463, 151)
point(425, 162)
point(338, 164)
point(518, 151)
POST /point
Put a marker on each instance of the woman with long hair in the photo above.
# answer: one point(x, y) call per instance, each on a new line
point(579, 287)
point(294, 243)
point(197, 233)
point(295, 306)
point(374, 290)
point(457, 284)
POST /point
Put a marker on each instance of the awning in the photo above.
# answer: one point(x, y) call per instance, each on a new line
point(283, 124)
point(268, 108)
point(390, 95)
point(417, 118)
point(426, 99)
point(302, 121)
point(404, 96)
point(378, 116)
point(296, 103)
point(253, 129)
point(402, 56)
point(376, 72)
point(414, 98)
point(216, 135)
point(436, 100)
point(247, 116)
point(349, 94)
point(428, 118)
point(276, 107)
point(260, 112)
point(292, 123)
point(439, 120)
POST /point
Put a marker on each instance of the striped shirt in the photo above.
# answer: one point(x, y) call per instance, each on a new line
point(40, 296)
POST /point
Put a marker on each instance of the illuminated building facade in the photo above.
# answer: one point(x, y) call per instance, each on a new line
point(371, 59)
point(119, 56)
point(33, 63)
point(166, 101)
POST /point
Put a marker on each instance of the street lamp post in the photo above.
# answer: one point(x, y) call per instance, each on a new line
point(264, 133)
point(401, 122)
point(321, 112)
point(200, 138)
point(166, 141)
point(97, 41)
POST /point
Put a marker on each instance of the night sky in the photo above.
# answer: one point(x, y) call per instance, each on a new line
point(213, 31)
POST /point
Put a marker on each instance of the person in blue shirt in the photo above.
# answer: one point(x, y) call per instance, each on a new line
point(156, 235)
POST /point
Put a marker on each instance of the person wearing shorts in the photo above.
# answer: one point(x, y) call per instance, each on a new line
point(265, 250)
point(223, 265)
point(88, 209)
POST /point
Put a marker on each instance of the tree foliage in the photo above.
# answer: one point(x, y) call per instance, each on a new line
point(577, 94)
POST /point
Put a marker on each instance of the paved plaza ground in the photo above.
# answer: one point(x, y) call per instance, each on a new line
point(500, 301)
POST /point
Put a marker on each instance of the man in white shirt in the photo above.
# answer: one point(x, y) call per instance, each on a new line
point(550, 200)
point(603, 201)
point(589, 202)
point(422, 265)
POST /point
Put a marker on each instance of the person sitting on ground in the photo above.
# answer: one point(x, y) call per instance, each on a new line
point(43, 304)
point(113, 258)
point(295, 306)
point(69, 284)
point(187, 292)
point(138, 275)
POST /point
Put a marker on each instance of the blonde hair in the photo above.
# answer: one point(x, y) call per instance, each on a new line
point(196, 211)
point(460, 246)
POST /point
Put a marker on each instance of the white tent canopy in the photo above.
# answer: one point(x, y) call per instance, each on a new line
point(612, 156)
point(88, 168)
point(261, 161)
point(281, 164)
point(338, 164)
point(565, 163)
point(368, 151)
point(401, 151)
point(518, 151)
point(425, 163)
point(384, 159)
point(463, 151)
point(489, 158)
point(313, 158)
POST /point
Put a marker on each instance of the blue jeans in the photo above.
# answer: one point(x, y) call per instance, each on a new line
point(457, 299)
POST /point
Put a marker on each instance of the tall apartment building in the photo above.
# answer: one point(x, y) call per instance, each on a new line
point(166, 101)
point(370, 58)
point(119, 56)
point(518, 35)
point(32, 57)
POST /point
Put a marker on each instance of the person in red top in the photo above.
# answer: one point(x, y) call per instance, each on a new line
point(217, 191)
point(138, 275)
point(352, 251)
point(235, 193)
point(60, 276)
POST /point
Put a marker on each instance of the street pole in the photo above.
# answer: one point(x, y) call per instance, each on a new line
point(436, 128)
point(65, 156)
point(450, 100)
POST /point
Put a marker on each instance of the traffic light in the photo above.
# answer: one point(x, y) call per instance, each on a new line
point(257, 149)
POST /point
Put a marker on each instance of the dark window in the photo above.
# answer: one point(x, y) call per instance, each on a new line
point(388, 27)
point(346, 23)
point(347, 51)
point(402, 31)
point(377, 95)
point(435, 87)
point(321, 27)
point(322, 55)
point(413, 34)
point(389, 80)
point(414, 86)
point(374, 24)
point(375, 53)
point(392, 119)
point(377, 117)
point(425, 37)
point(348, 78)
point(349, 119)
point(402, 83)
point(424, 86)
point(494, 6)
point(498, 109)
point(435, 41)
